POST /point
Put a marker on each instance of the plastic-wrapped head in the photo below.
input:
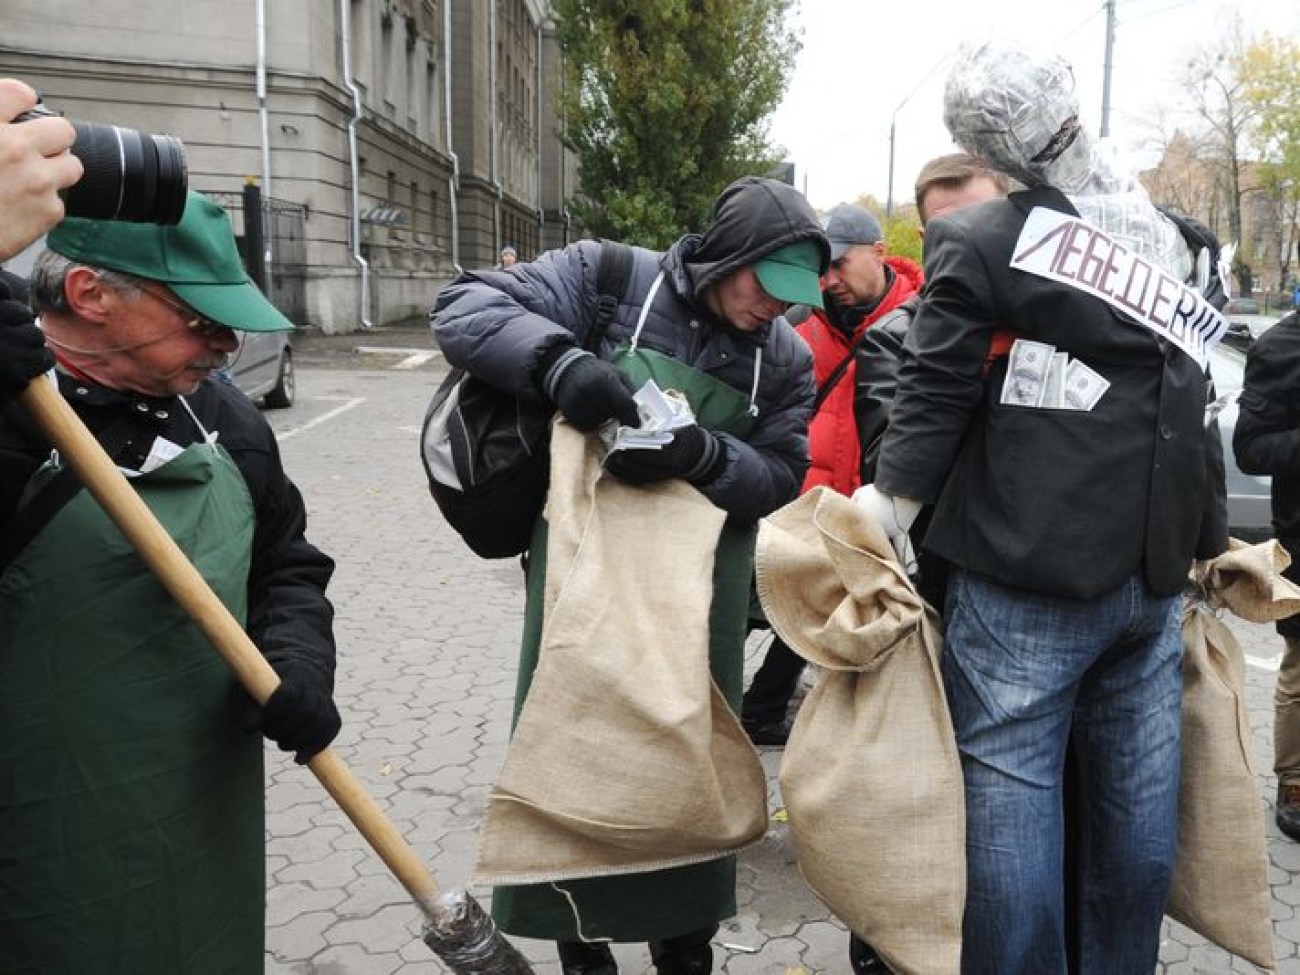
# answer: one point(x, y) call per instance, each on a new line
point(1019, 112)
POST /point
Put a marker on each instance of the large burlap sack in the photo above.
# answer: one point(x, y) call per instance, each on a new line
point(626, 757)
point(1220, 885)
point(871, 777)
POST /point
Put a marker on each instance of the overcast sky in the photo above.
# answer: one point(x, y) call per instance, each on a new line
point(864, 62)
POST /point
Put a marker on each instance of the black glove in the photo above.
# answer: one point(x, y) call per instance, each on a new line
point(300, 715)
point(23, 352)
point(587, 390)
point(694, 455)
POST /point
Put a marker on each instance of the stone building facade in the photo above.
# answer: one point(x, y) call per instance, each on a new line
point(393, 140)
point(1193, 181)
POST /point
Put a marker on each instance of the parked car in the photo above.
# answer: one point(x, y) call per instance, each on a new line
point(262, 368)
point(1244, 329)
point(1250, 511)
point(1241, 306)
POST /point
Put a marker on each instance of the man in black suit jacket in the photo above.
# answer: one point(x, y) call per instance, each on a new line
point(1265, 442)
point(1074, 482)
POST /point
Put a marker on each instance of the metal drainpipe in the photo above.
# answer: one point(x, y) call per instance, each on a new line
point(345, 20)
point(265, 119)
point(562, 169)
point(453, 182)
point(541, 211)
point(493, 141)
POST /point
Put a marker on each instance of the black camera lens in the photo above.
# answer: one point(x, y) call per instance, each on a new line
point(129, 175)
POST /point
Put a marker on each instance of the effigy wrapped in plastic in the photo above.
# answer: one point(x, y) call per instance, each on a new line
point(1019, 111)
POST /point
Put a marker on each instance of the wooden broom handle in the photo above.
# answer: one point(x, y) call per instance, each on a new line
point(132, 516)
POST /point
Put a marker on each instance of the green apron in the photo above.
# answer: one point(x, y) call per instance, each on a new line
point(131, 805)
point(661, 903)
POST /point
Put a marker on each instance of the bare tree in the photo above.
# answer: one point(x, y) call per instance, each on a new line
point(1213, 78)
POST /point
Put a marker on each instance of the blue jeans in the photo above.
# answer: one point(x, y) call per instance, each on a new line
point(1026, 674)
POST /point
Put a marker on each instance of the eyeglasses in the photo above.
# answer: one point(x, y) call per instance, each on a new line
point(195, 322)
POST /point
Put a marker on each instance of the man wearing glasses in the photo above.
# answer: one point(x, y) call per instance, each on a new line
point(131, 810)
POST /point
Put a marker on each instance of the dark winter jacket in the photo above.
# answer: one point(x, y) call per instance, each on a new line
point(1267, 436)
point(498, 326)
point(288, 613)
point(1065, 502)
point(876, 380)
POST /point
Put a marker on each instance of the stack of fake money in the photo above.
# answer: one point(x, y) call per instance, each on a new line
point(1040, 377)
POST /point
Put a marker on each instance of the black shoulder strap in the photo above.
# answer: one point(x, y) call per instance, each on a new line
point(612, 279)
point(31, 519)
point(837, 373)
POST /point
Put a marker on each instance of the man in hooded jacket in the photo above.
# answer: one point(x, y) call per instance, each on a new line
point(712, 307)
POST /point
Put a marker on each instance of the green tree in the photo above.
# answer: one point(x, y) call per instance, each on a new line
point(903, 233)
point(665, 102)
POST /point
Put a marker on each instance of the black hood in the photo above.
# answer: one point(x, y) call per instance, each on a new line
point(752, 218)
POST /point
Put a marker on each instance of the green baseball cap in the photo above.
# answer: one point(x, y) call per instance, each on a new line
point(196, 258)
point(791, 274)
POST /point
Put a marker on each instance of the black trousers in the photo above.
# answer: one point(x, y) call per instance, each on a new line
point(774, 684)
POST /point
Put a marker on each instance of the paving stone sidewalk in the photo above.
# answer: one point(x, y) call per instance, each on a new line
point(427, 641)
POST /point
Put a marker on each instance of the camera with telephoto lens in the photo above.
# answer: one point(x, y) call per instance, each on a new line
point(129, 175)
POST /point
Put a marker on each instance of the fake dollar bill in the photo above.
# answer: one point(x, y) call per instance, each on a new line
point(1083, 386)
point(1026, 377)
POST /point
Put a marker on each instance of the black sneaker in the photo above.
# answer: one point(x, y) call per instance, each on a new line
point(864, 960)
point(773, 733)
point(1288, 808)
point(586, 958)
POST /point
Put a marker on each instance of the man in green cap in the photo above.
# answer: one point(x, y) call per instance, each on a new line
point(131, 816)
point(704, 319)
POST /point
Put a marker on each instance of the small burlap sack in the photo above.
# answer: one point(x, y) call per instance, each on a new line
point(871, 777)
point(626, 757)
point(1220, 885)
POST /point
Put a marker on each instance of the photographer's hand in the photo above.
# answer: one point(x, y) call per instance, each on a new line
point(23, 352)
point(34, 165)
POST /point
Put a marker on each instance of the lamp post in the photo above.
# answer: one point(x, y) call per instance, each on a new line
point(893, 129)
point(889, 194)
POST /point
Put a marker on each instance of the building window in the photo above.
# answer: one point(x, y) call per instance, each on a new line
point(431, 102)
point(434, 238)
point(360, 54)
point(387, 60)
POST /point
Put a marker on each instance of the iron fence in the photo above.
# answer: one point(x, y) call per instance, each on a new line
point(284, 231)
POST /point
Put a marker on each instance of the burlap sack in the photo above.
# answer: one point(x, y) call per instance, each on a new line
point(871, 777)
point(1220, 886)
point(626, 757)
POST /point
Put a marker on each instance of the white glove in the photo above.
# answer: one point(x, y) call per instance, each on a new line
point(895, 516)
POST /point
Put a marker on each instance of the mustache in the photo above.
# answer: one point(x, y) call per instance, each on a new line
point(211, 363)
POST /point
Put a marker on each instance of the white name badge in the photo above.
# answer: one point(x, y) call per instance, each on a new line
point(1063, 248)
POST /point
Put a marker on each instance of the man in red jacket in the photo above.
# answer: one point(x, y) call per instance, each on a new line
point(862, 285)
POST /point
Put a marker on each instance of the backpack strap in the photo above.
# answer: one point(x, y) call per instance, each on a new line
point(830, 382)
point(612, 279)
